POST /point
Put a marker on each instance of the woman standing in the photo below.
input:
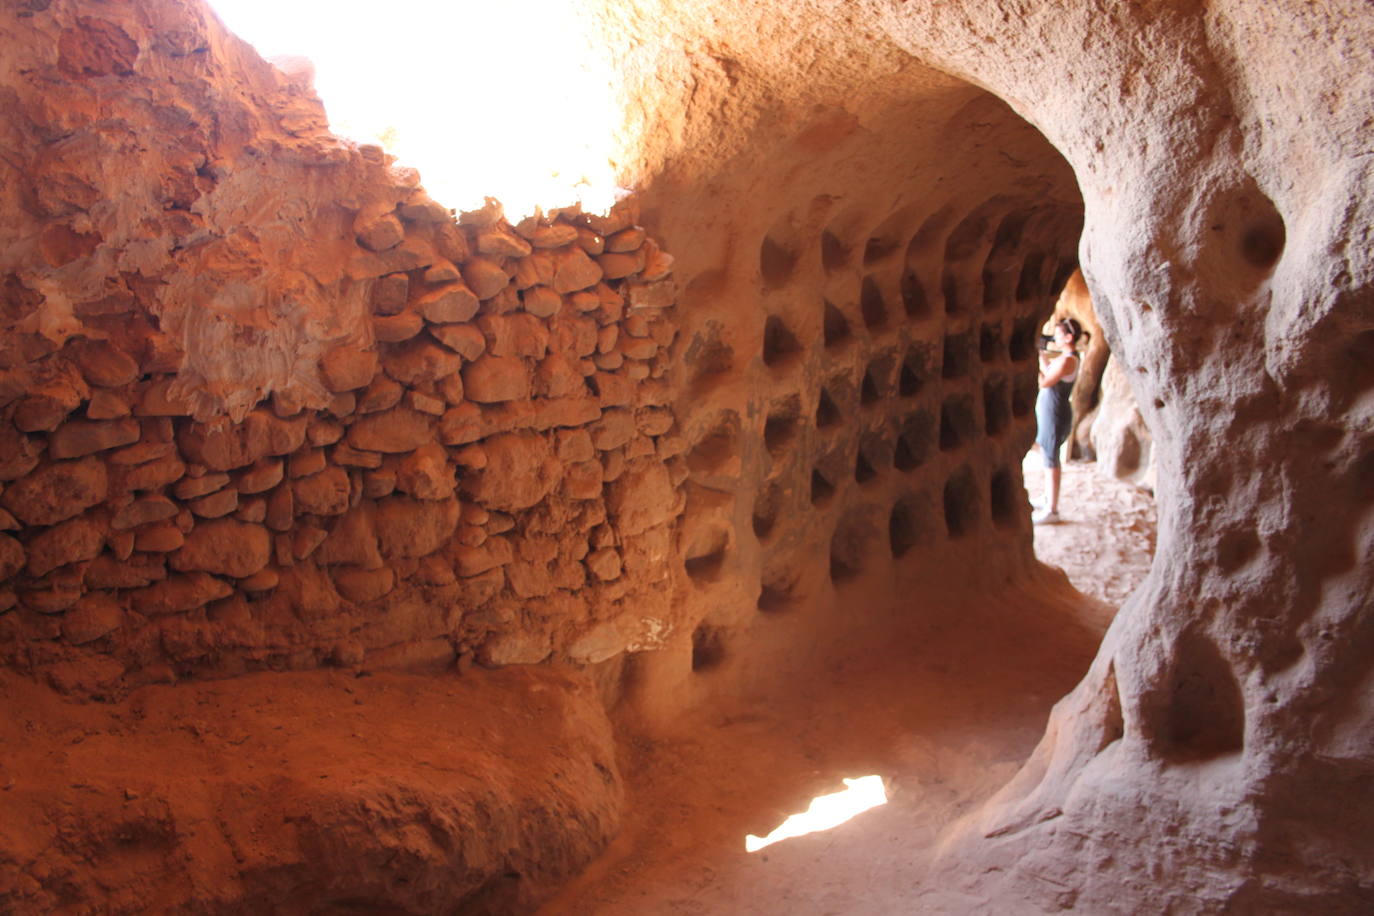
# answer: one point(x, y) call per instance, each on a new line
point(1053, 415)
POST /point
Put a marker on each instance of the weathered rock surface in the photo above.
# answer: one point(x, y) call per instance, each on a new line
point(305, 751)
point(847, 356)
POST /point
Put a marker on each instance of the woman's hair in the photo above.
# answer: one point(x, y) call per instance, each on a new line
point(1073, 328)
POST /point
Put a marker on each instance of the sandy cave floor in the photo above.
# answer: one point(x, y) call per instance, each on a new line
point(945, 727)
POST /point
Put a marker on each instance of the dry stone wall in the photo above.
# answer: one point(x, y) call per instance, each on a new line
point(263, 403)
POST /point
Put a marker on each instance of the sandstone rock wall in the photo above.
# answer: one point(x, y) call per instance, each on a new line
point(265, 404)
point(1222, 154)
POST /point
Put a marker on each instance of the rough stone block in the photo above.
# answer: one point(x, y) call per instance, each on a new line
point(518, 334)
point(485, 276)
point(325, 493)
point(500, 241)
point(521, 470)
point(474, 561)
point(463, 339)
point(106, 572)
point(614, 429)
point(400, 429)
point(397, 328)
point(642, 497)
point(106, 405)
point(389, 293)
point(574, 270)
point(73, 541)
point(448, 304)
point(90, 618)
point(151, 476)
point(226, 446)
point(492, 379)
point(262, 476)
point(160, 537)
point(55, 492)
point(605, 564)
point(193, 487)
point(378, 231)
point(442, 271)
point(104, 364)
point(159, 399)
point(216, 505)
point(179, 593)
point(348, 368)
point(225, 547)
point(426, 473)
point(428, 404)
point(142, 512)
point(363, 585)
point(420, 362)
point(541, 301)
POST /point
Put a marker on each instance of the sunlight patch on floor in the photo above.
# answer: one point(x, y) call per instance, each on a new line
point(826, 811)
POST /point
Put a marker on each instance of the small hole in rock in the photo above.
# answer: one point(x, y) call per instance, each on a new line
point(780, 429)
point(996, 285)
point(1024, 338)
point(1028, 285)
point(956, 356)
point(708, 648)
point(834, 254)
point(1023, 394)
point(949, 285)
point(821, 488)
point(836, 329)
point(776, 262)
point(914, 296)
point(903, 528)
point(961, 503)
point(877, 249)
point(915, 371)
point(850, 545)
point(707, 567)
point(996, 409)
point(868, 390)
point(1002, 491)
point(863, 468)
point(989, 342)
point(776, 594)
point(915, 442)
point(708, 357)
point(780, 345)
point(765, 514)
point(714, 452)
point(872, 305)
point(827, 412)
point(958, 425)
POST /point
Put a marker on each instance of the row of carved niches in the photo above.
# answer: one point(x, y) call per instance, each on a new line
point(887, 529)
point(993, 342)
point(989, 261)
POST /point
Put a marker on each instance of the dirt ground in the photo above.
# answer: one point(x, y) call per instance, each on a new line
point(1105, 539)
point(944, 726)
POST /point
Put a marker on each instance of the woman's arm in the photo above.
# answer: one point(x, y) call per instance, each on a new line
point(1054, 370)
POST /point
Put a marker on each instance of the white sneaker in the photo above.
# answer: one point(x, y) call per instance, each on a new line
point(1045, 517)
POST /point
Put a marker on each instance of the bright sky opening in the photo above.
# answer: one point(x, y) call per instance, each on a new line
point(826, 811)
point(506, 100)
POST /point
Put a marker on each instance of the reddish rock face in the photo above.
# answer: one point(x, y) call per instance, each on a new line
point(225, 547)
point(58, 491)
point(238, 347)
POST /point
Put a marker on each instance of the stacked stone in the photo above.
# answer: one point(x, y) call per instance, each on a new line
point(495, 468)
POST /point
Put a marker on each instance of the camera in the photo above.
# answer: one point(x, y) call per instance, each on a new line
point(1046, 340)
